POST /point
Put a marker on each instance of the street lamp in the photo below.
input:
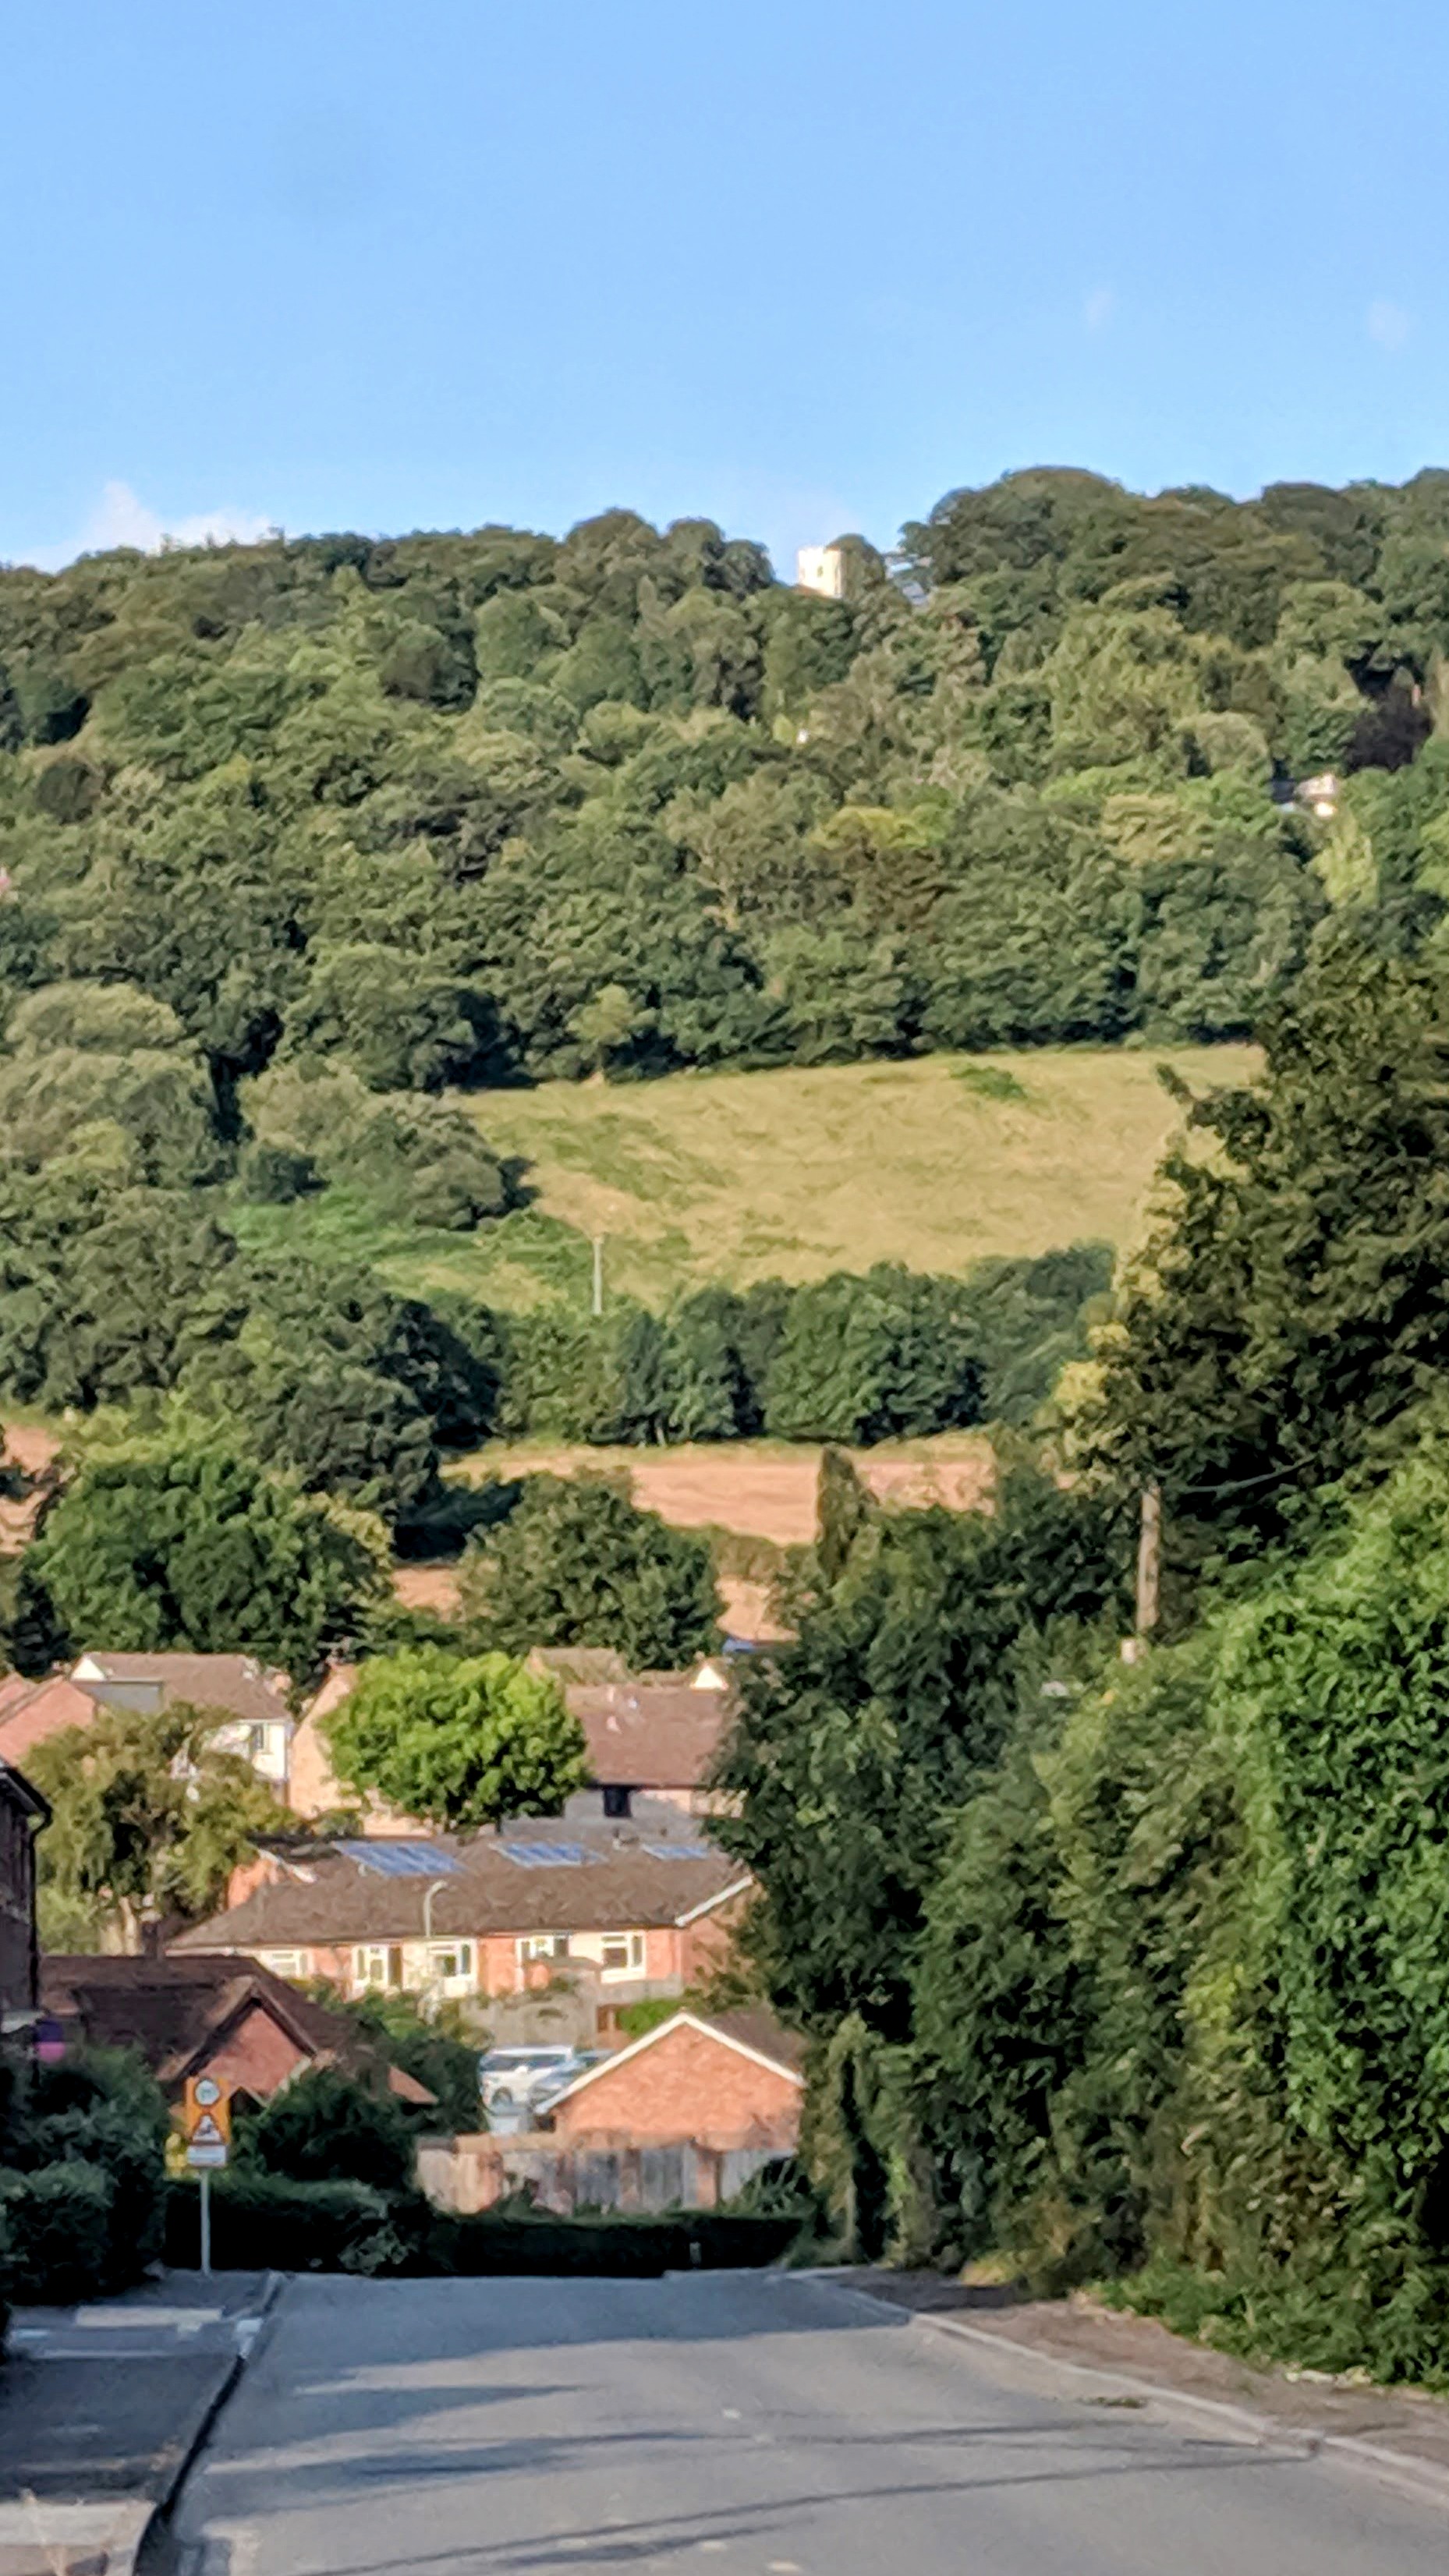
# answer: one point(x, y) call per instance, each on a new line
point(430, 1891)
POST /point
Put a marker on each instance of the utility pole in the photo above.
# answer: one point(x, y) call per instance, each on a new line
point(1149, 1561)
point(598, 1274)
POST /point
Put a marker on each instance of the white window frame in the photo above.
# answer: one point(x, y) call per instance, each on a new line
point(288, 1963)
point(461, 1953)
point(363, 1956)
point(632, 1963)
point(531, 1947)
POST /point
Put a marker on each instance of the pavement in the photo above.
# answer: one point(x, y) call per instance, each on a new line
point(784, 2424)
point(1402, 2434)
point(101, 2409)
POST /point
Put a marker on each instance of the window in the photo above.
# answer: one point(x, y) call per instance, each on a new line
point(621, 1952)
point(451, 1959)
point(377, 1963)
point(544, 1945)
point(288, 1963)
point(618, 1802)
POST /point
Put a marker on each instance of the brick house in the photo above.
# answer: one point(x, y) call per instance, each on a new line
point(625, 1910)
point(222, 2017)
point(718, 2080)
point(23, 1813)
point(253, 1718)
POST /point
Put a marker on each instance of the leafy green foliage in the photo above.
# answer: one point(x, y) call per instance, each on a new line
point(462, 1740)
point(148, 1820)
point(1291, 1309)
point(162, 1542)
point(577, 1564)
point(437, 2048)
point(858, 1739)
point(82, 2177)
point(324, 2127)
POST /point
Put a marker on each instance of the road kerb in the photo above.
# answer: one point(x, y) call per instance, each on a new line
point(1402, 2469)
point(122, 2561)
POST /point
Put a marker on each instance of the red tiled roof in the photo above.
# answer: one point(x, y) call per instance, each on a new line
point(236, 1683)
point(651, 1734)
point(38, 1710)
point(173, 2012)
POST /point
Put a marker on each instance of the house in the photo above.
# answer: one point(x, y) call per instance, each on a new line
point(220, 2017)
point(650, 1735)
point(722, 2081)
point(654, 1735)
point(625, 1911)
point(821, 569)
point(23, 1813)
point(255, 1720)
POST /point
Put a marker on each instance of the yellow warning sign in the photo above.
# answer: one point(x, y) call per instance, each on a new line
point(206, 2121)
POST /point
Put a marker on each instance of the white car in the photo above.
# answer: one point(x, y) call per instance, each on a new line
point(520, 2079)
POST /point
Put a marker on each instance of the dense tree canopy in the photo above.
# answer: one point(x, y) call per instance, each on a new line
point(464, 1740)
point(576, 1563)
point(167, 1542)
point(455, 808)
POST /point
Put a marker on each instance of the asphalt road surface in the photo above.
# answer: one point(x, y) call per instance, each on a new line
point(771, 2425)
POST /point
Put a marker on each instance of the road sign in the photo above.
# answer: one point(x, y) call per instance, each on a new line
point(206, 2122)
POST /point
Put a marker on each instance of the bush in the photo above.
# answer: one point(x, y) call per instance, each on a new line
point(621, 2246)
point(99, 2115)
point(262, 2221)
point(326, 2128)
point(58, 2221)
point(108, 2140)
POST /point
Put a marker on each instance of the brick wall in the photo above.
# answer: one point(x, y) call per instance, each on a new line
point(686, 2084)
point(256, 2056)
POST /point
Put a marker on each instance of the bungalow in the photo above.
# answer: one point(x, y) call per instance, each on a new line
point(218, 2017)
point(626, 1911)
point(253, 1717)
point(724, 2081)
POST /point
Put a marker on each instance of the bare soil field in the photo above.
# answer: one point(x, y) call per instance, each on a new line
point(760, 1488)
point(26, 1447)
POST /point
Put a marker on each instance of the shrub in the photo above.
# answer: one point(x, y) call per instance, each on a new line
point(99, 2114)
point(263, 2221)
point(326, 2128)
point(58, 2221)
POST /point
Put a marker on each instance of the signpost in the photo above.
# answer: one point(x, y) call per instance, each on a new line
point(206, 2126)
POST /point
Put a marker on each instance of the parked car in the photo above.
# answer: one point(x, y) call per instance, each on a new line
point(514, 2079)
point(552, 2085)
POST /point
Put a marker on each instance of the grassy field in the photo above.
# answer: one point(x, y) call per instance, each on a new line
point(741, 1176)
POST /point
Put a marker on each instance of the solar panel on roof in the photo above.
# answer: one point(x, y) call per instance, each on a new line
point(402, 1860)
point(679, 1851)
point(548, 1855)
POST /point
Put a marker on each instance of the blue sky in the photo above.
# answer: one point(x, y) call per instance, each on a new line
point(798, 265)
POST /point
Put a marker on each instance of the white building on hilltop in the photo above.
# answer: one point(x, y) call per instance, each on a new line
point(822, 569)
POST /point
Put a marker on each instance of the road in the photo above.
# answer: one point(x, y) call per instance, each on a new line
point(778, 2426)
